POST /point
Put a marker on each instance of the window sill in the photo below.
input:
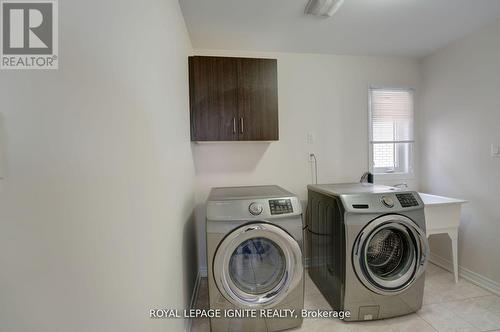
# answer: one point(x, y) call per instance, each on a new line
point(393, 176)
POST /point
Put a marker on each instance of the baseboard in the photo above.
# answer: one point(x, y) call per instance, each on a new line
point(192, 303)
point(467, 274)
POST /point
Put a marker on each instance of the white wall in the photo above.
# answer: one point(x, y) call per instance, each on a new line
point(323, 94)
point(96, 205)
point(459, 119)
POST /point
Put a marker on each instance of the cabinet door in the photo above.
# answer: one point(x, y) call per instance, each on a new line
point(257, 99)
point(213, 98)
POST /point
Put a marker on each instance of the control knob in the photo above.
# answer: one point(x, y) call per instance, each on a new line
point(255, 208)
point(388, 201)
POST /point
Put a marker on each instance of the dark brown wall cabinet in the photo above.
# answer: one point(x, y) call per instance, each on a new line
point(233, 99)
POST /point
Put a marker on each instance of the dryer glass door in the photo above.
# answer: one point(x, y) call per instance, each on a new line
point(257, 264)
point(390, 254)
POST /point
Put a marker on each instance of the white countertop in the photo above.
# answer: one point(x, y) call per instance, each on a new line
point(429, 199)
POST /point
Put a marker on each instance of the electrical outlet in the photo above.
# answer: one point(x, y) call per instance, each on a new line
point(495, 150)
point(312, 157)
point(310, 138)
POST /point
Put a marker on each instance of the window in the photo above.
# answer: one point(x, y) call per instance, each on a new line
point(391, 131)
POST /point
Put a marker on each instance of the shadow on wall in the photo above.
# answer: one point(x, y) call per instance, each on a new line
point(200, 217)
point(189, 254)
point(3, 147)
point(228, 157)
point(440, 244)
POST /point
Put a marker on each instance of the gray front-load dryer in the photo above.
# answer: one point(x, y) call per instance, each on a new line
point(367, 248)
point(254, 257)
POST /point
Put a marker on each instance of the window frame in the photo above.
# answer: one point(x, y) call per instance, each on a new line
point(388, 175)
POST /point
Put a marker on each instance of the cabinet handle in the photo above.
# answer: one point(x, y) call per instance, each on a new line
point(234, 125)
point(242, 128)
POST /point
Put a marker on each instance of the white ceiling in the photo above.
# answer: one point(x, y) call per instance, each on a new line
point(360, 27)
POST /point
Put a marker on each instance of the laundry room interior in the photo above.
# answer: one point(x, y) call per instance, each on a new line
point(321, 164)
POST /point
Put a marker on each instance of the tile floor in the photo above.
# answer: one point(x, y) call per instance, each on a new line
point(447, 306)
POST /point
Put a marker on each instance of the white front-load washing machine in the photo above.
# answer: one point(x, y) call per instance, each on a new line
point(367, 248)
point(254, 258)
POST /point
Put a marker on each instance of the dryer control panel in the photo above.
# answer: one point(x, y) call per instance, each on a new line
point(254, 209)
point(280, 206)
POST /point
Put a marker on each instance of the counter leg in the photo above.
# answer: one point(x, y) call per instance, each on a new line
point(453, 234)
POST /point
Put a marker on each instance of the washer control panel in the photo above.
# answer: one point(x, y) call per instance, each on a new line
point(407, 200)
point(280, 206)
point(255, 208)
point(397, 201)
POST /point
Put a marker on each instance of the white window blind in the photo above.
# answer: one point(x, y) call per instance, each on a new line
point(391, 130)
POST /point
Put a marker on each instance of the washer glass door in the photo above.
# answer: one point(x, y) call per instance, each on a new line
point(390, 254)
point(257, 264)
